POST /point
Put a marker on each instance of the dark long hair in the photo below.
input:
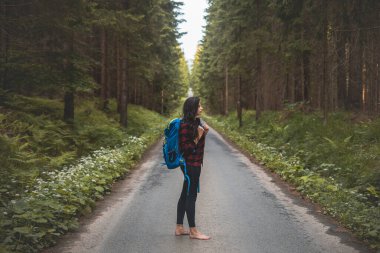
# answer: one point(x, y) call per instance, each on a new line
point(190, 108)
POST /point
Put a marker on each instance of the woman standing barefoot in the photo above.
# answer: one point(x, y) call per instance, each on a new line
point(192, 138)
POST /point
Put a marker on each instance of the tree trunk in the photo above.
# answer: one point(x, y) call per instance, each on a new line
point(4, 47)
point(354, 89)
point(324, 78)
point(124, 92)
point(104, 69)
point(109, 69)
point(135, 93)
point(221, 101)
point(377, 84)
point(341, 75)
point(239, 108)
point(226, 93)
point(118, 74)
point(68, 113)
point(258, 67)
point(347, 72)
point(306, 66)
point(364, 87)
point(258, 85)
point(152, 100)
point(377, 79)
point(302, 67)
point(372, 77)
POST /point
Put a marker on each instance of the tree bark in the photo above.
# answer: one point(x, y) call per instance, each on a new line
point(226, 92)
point(377, 79)
point(109, 69)
point(135, 91)
point(302, 67)
point(68, 114)
point(104, 69)
point(364, 88)
point(4, 47)
point(124, 92)
point(341, 75)
point(354, 89)
point(306, 66)
point(258, 85)
point(258, 67)
point(239, 108)
point(324, 78)
point(68, 111)
point(119, 77)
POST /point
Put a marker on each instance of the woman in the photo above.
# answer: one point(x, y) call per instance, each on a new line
point(192, 137)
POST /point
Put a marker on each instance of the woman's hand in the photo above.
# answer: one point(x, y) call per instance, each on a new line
point(201, 131)
point(205, 127)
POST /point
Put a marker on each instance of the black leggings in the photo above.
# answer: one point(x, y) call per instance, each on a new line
point(186, 202)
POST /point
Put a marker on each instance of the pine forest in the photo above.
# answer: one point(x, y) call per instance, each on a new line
point(87, 86)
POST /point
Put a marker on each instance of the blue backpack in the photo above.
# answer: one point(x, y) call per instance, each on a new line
point(172, 155)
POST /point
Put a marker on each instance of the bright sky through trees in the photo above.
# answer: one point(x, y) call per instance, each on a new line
point(193, 13)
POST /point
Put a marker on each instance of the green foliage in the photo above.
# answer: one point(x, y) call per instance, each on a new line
point(44, 187)
point(50, 207)
point(35, 145)
point(333, 165)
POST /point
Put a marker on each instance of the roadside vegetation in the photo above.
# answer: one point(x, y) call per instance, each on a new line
point(335, 165)
point(74, 82)
point(52, 172)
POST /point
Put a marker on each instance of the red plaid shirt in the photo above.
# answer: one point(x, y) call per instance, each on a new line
point(192, 153)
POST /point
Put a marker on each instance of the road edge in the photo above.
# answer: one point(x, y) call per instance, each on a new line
point(335, 227)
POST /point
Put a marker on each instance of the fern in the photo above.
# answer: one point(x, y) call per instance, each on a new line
point(332, 143)
point(62, 159)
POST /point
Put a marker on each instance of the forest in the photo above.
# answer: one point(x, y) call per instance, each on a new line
point(296, 84)
point(86, 86)
point(125, 50)
point(83, 87)
point(263, 54)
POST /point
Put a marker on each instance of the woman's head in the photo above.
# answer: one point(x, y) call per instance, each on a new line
point(192, 108)
point(191, 111)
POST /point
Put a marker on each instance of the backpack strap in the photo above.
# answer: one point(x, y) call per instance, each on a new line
point(186, 178)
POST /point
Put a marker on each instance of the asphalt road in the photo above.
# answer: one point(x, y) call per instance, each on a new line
point(239, 205)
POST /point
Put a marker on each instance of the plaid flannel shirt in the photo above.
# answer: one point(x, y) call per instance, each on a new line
point(192, 153)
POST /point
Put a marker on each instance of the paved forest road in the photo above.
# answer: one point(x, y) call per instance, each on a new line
point(239, 206)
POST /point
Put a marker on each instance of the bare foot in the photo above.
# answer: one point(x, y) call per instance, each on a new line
point(198, 235)
point(179, 230)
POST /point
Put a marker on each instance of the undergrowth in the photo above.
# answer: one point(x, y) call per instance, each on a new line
point(336, 165)
point(52, 172)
